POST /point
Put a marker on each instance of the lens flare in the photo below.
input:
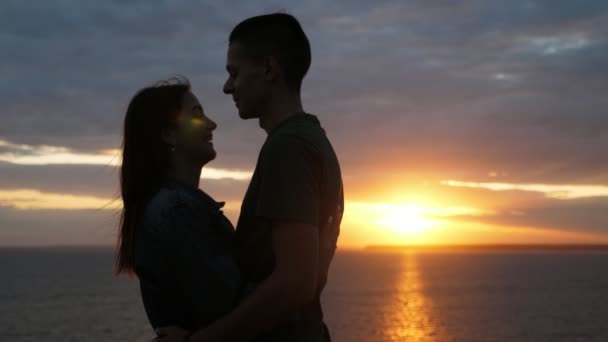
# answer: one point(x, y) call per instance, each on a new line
point(198, 121)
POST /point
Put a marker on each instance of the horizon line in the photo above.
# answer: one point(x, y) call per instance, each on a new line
point(495, 246)
point(382, 246)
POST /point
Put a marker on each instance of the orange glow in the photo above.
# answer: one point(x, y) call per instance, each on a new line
point(419, 220)
point(409, 222)
point(33, 199)
point(405, 218)
point(364, 223)
point(400, 209)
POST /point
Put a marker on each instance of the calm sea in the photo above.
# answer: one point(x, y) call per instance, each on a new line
point(70, 295)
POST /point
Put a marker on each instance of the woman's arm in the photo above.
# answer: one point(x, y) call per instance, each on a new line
point(208, 277)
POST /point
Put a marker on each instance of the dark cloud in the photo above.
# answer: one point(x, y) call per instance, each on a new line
point(420, 76)
point(443, 89)
point(71, 67)
point(576, 215)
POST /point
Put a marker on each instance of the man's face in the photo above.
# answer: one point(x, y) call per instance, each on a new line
point(246, 83)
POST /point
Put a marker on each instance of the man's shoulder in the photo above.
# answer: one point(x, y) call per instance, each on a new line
point(298, 134)
point(287, 147)
point(285, 138)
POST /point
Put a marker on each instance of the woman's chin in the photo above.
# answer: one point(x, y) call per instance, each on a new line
point(208, 156)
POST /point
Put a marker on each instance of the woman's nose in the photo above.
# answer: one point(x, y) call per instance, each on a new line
point(212, 125)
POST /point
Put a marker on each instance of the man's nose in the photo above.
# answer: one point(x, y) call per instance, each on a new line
point(228, 88)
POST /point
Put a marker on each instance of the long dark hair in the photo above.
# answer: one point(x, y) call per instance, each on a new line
point(145, 158)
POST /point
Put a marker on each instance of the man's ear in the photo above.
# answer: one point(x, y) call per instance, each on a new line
point(168, 136)
point(272, 70)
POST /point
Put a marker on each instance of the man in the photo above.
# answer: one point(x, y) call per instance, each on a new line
point(289, 222)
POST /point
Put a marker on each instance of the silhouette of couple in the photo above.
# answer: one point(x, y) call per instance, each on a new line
point(200, 278)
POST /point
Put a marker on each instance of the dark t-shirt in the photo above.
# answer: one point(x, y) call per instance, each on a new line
point(297, 179)
point(184, 259)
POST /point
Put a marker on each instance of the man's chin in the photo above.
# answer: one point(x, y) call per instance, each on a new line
point(246, 116)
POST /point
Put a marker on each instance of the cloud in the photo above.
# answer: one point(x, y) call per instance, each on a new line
point(96, 181)
point(558, 45)
point(57, 155)
point(22, 154)
point(89, 180)
point(562, 191)
point(33, 199)
point(578, 215)
point(558, 208)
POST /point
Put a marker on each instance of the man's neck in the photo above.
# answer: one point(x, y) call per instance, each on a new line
point(279, 110)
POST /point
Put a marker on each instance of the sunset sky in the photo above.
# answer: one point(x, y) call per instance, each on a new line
point(457, 122)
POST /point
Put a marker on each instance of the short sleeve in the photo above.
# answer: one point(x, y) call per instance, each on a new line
point(290, 181)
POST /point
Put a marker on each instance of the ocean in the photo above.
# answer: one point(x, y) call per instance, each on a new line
point(70, 294)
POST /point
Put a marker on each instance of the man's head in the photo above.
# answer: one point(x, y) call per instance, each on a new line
point(267, 55)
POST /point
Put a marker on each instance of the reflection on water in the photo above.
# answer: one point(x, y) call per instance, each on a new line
point(412, 317)
point(370, 297)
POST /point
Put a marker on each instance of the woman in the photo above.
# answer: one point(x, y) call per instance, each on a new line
point(173, 236)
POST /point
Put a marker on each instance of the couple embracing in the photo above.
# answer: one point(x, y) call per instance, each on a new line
point(200, 278)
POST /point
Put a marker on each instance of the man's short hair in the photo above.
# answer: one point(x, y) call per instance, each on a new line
point(281, 36)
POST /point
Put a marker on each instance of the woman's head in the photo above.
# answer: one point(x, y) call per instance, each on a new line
point(164, 124)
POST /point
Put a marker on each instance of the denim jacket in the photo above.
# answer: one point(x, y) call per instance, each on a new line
point(184, 259)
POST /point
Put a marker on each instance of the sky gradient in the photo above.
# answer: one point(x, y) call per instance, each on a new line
point(454, 122)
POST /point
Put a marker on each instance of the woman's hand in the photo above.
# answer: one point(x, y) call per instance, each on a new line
point(171, 334)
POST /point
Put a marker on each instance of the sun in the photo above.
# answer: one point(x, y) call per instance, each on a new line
point(405, 218)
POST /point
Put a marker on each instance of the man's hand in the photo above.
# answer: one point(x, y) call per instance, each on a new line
point(292, 284)
point(171, 334)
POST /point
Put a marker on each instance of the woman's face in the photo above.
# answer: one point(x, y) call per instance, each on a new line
point(193, 133)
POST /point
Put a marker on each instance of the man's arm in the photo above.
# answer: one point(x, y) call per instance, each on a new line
point(292, 284)
point(289, 194)
point(328, 239)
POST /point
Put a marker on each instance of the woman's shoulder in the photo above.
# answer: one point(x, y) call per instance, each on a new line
point(167, 198)
point(176, 206)
point(166, 206)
